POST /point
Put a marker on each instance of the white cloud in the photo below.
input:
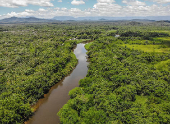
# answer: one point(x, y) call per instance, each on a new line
point(30, 11)
point(153, 10)
point(63, 9)
point(101, 8)
point(17, 3)
point(76, 2)
point(75, 10)
point(105, 1)
point(60, 1)
point(21, 14)
point(162, 1)
point(134, 2)
point(106, 8)
point(42, 10)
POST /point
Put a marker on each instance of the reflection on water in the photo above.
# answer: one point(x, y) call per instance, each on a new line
point(48, 107)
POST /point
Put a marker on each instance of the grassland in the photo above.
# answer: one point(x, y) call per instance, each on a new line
point(163, 65)
point(163, 38)
point(148, 48)
point(162, 31)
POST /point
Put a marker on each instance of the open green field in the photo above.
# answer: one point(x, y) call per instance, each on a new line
point(163, 38)
point(162, 31)
point(163, 65)
point(140, 42)
point(148, 48)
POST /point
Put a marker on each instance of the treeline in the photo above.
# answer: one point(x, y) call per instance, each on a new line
point(122, 86)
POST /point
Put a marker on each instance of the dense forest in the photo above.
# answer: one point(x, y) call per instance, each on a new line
point(127, 81)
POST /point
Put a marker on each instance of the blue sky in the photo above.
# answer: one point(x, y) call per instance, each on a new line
point(79, 8)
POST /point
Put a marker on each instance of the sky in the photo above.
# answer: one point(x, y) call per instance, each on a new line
point(83, 8)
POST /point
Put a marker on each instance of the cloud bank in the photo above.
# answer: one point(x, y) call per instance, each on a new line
point(18, 3)
point(100, 8)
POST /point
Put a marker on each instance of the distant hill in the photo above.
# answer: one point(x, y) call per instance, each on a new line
point(94, 18)
point(105, 18)
point(64, 18)
point(158, 18)
point(134, 23)
point(143, 20)
point(24, 20)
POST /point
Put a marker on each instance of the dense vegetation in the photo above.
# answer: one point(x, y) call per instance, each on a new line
point(126, 82)
point(32, 59)
point(31, 62)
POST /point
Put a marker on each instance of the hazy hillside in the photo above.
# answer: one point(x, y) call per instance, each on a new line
point(95, 18)
point(24, 20)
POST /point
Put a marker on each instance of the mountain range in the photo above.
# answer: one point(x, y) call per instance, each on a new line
point(24, 20)
point(70, 18)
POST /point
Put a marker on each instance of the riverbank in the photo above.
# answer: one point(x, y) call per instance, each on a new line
point(48, 107)
point(34, 75)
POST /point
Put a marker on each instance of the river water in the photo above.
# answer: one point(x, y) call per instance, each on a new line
point(48, 107)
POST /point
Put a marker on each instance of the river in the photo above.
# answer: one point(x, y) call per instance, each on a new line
point(48, 107)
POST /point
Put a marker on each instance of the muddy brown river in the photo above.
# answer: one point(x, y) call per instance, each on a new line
point(48, 107)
